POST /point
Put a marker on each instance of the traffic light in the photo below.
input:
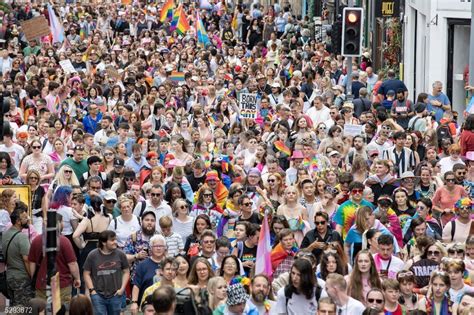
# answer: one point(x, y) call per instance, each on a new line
point(352, 26)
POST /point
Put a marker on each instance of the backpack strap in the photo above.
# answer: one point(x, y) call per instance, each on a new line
point(288, 294)
point(8, 245)
point(240, 249)
point(45, 142)
point(115, 223)
point(414, 123)
point(143, 208)
point(453, 229)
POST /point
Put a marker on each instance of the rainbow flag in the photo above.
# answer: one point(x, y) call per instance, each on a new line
point(82, 34)
point(281, 147)
point(202, 36)
point(289, 73)
point(167, 11)
point(183, 25)
point(264, 249)
point(56, 27)
point(176, 76)
point(279, 254)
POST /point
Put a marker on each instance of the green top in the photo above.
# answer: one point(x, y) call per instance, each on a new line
point(19, 247)
point(79, 168)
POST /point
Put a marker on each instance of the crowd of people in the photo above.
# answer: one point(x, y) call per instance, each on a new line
point(163, 189)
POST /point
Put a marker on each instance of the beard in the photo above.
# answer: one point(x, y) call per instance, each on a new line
point(148, 232)
point(259, 297)
point(25, 226)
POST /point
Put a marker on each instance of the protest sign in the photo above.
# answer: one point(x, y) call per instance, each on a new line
point(67, 66)
point(352, 130)
point(35, 27)
point(248, 105)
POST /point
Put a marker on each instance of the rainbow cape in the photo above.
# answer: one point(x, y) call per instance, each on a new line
point(167, 11)
point(279, 254)
point(281, 147)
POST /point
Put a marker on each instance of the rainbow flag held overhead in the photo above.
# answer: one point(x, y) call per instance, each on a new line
point(177, 76)
point(183, 25)
point(281, 147)
point(167, 11)
point(202, 36)
point(264, 249)
point(57, 30)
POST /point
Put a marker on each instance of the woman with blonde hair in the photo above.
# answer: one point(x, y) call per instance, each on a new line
point(295, 213)
point(64, 177)
point(39, 200)
point(217, 288)
point(182, 222)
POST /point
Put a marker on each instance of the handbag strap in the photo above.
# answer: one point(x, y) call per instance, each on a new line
point(8, 245)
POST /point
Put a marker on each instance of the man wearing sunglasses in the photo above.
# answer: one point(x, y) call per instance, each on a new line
point(154, 203)
point(459, 229)
point(317, 239)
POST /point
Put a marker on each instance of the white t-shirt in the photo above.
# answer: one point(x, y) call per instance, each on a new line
point(67, 215)
point(297, 304)
point(16, 153)
point(352, 307)
point(318, 116)
point(447, 164)
point(460, 234)
point(396, 264)
point(4, 220)
point(124, 229)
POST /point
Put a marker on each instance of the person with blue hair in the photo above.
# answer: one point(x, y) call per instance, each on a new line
point(62, 204)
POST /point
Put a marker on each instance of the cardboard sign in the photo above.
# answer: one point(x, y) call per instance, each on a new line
point(248, 105)
point(35, 27)
point(67, 66)
point(352, 130)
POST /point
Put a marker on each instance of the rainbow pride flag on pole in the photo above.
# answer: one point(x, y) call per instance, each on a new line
point(281, 147)
point(180, 23)
point(263, 263)
point(57, 30)
point(167, 11)
point(176, 76)
point(202, 36)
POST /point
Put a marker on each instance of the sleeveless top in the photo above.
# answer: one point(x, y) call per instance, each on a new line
point(92, 236)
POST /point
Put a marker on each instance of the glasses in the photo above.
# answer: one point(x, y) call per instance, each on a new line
point(466, 208)
point(434, 253)
point(207, 195)
point(461, 173)
point(405, 274)
point(34, 177)
point(108, 154)
point(158, 246)
point(69, 155)
point(357, 191)
point(36, 147)
point(455, 251)
point(378, 301)
point(183, 207)
point(7, 115)
point(209, 242)
point(374, 155)
point(320, 223)
point(155, 194)
point(79, 147)
point(271, 180)
point(450, 180)
point(247, 204)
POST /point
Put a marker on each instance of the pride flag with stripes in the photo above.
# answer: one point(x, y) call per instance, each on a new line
point(167, 11)
point(57, 30)
point(202, 36)
point(263, 263)
point(176, 76)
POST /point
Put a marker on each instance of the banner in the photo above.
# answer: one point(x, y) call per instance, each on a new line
point(248, 104)
point(67, 66)
point(352, 130)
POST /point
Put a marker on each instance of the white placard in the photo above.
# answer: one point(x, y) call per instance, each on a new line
point(248, 103)
point(352, 130)
point(67, 66)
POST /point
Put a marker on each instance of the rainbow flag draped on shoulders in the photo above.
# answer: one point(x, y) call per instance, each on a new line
point(167, 11)
point(281, 147)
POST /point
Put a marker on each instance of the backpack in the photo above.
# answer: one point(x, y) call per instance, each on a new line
point(186, 302)
point(289, 293)
point(412, 127)
point(115, 223)
point(142, 208)
point(443, 132)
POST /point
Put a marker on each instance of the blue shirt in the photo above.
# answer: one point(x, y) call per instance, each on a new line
point(136, 166)
point(438, 110)
point(112, 142)
point(90, 125)
point(144, 274)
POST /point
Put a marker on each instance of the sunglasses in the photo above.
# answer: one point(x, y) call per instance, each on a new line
point(461, 173)
point(207, 195)
point(247, 204)
point(434, 253)
point(129, 179)
point(69, 155)
point(331, 190)
point(455, 251)
point(450, 180)
point(405, 274)
point(79, 148)
point(357, 191)
point(155, 195)
point(378, 301)
point(270, 180)
point(183, 207)
point(319, 223)
point(34, 177)
point(209, 242)
point(108, 154)
point(68, 171)
point(36, 147)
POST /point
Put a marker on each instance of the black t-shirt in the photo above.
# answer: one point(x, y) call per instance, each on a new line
point(393, 84)
point(106, 271)
point(196, 182)
point(254, 218)
point(248, 254)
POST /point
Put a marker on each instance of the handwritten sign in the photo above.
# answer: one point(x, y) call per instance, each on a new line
point(35, 27)
point(67, 66)
point(248, 105)
point(352, 130)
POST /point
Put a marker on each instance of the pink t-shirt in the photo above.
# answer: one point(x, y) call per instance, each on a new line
point(445, 199)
